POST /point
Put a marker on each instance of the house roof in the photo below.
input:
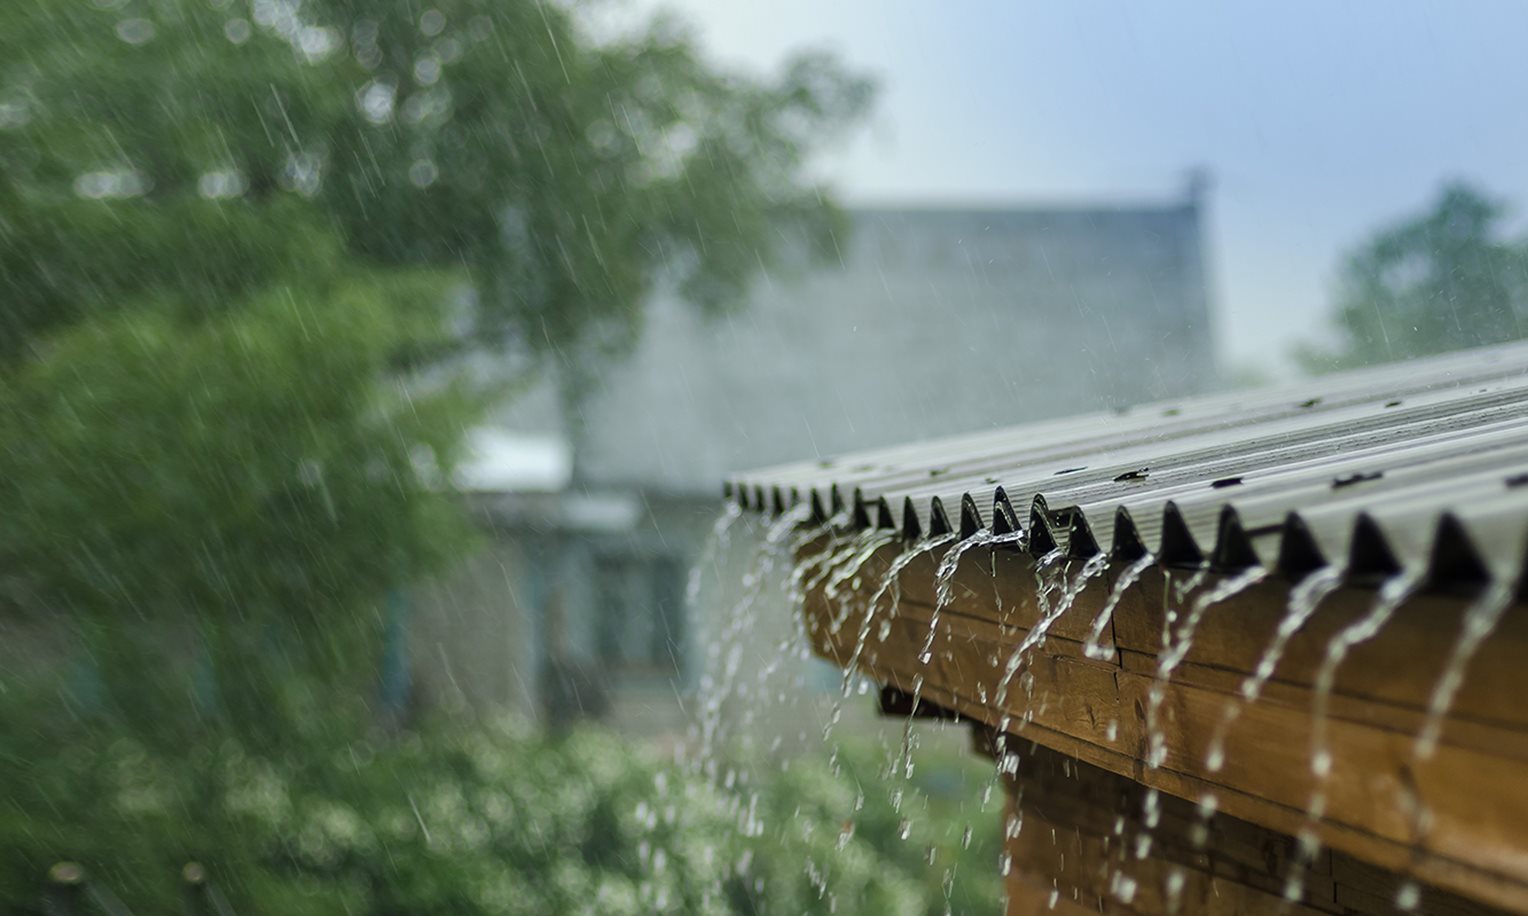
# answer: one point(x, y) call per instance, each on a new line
point(1419, 466)
point(504, 461)
point(860, 353)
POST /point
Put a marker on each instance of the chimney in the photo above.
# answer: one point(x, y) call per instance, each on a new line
point(1196, 187)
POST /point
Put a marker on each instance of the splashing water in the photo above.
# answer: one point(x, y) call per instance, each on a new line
point(889, 584)
point(1035, 638)
point(1391, 595)
point(1480, 620)
point(1177, 646)
point(944, 579)
point(801, 580)
point(1092, 646)
point(1304, 598)
point(719, 681)
point(716, 544)
point(944, 587)
point(868, 544)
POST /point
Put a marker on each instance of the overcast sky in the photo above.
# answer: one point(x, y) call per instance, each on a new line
point(1318, 119)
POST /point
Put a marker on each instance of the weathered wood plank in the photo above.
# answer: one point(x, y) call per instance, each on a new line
point(1475, 788)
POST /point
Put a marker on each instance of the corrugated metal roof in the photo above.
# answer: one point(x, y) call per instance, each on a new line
point(1418, 466)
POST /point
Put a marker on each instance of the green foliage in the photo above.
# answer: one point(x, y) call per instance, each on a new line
point(250, 462)
point(1443, 280)
point(247, 478)
point(563, 175)
point(226, 229)
point(492, 820)
point(227, 226)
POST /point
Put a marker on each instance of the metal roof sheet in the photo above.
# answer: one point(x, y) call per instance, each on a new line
point(1419, 466)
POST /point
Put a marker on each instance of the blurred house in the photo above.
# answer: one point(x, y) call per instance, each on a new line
point(988, 316)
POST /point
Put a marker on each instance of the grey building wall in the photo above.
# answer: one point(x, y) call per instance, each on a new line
point(473, 641)
point(937, 322)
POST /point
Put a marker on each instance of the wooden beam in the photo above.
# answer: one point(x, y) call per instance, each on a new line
point(1472, 838)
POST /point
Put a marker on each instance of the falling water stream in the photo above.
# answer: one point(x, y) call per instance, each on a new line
point(867, 544)
point(944, 588)
point(834, 570)
point(717, 543)
point(1480, 620)
point(889, 584)
point(1176, 646)
point(1048, 573)
point(833, 551)
point(1093, 646)
point(1304, 598)
point(944, 579)
point(719, 680)
point(1391, 595)
point(1047, 582)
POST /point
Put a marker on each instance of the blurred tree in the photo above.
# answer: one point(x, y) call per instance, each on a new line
point(227, 228)
point(248, 483)
point(562, 175)
point(1440, 281)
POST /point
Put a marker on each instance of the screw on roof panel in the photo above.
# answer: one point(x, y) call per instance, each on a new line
point(1349, 480)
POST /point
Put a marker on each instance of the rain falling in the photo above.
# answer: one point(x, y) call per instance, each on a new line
point(540, 457)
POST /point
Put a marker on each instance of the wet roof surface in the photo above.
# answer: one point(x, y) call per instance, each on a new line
point(1419, 466)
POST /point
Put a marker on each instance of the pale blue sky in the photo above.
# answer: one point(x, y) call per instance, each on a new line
point(1317, 120)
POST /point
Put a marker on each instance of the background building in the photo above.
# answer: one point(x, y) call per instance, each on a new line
point(990, 317)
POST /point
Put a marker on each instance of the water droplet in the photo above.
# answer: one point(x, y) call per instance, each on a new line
point(136, 31)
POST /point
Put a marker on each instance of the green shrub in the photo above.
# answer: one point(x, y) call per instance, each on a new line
point(489, 819)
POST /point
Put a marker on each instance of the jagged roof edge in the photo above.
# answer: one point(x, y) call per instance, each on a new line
point(1453, 562)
